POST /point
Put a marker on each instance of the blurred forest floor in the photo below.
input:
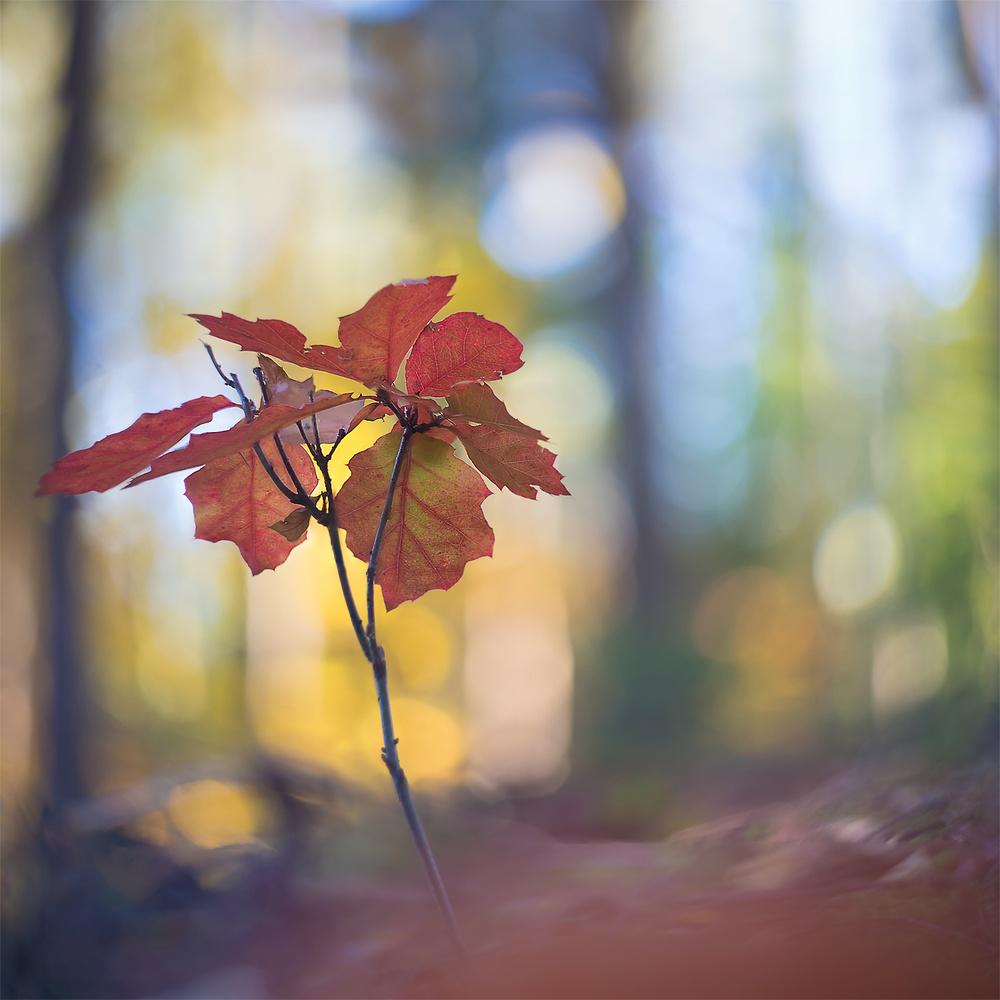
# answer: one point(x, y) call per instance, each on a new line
point(877, 884)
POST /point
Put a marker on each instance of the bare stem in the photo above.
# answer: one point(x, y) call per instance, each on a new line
point(304, 498)
point(275, 478)
point(390, 757)
point(390, 753)
point(233, 382)
point(380, 531)
point(345, 584)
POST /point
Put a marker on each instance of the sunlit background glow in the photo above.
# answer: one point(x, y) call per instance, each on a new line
point(560, 196)
point(751, 250)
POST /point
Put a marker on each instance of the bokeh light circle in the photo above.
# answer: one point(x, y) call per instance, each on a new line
point(560, 197)
point(909, 666)
point(857, 559)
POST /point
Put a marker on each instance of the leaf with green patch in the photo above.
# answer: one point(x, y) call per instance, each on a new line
point(435, 524)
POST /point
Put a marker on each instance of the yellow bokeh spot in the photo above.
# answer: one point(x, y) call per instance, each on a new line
point(756, 619)
point(214, 813)
point(769, 628)
point(418, 643)
point(168, 669)
point(361, 438)
point(431, 744)
point(308, 708)
point(909, 666)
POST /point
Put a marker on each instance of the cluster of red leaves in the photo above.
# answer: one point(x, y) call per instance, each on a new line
point(436, 524)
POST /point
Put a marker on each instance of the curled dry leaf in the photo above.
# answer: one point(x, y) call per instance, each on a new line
point(282, 390)
point(370, 411)
point(294, 526)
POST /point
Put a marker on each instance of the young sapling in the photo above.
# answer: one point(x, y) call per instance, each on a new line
point(410, 508)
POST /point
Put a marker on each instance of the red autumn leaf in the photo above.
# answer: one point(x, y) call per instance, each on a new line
point(478, 404)
point(285, 391)
point(234, 500)
point(435, 525)
point(204, 448)
point(274, 338)
point(511, 460)
point(118, 456)
point(442, 434)
point(375, 339)
point(462, 348)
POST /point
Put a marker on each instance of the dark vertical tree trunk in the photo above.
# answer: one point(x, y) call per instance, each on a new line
point(64, 739)
point(629, 319)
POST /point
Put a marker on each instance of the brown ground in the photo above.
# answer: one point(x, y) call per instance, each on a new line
point(884, 890)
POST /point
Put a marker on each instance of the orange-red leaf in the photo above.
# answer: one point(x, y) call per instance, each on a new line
point(204, 448)
point(478, 404)
point(435, 525)
point(462, 348)
point(275, 338)
point(113, 459)
point(234, 500)
point(375, 339)
point(511, 460)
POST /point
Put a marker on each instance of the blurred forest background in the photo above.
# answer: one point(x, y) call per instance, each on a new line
point(751, 250)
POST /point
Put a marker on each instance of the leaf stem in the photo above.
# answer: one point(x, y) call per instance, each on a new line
point(295, 498)
point(390, 757)
point(397, 467)
point(304, 498)
point(390, 753)
point(330, 521)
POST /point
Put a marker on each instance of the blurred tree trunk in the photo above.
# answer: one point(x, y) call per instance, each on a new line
point(629, 319)
point(51, 252)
